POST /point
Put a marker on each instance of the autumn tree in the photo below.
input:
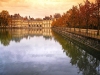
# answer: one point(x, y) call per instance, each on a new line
point(98, 18)
point(81, 16)
point(4, 18)
point(57, 15)
point(73, 17)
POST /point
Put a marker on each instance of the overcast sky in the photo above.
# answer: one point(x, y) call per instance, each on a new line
point(38, 8)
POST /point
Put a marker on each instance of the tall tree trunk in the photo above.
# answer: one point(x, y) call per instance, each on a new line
point(98, 27)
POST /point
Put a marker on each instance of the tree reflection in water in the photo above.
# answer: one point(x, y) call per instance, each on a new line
point(5, 37)
point(8, 35)
point(85, 58)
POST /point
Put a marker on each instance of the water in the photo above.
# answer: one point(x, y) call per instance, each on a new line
point(43, 52)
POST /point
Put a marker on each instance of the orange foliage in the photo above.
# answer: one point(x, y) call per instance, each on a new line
point(83, 15)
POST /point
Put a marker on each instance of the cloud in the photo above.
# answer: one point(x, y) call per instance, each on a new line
point(37, 8)
point(5, 0)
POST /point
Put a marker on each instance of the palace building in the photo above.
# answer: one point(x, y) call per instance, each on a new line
point(20, 22)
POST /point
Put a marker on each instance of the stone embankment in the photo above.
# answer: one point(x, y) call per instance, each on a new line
point(90, 39)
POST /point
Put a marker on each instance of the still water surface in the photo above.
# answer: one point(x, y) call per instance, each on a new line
point(43, 52)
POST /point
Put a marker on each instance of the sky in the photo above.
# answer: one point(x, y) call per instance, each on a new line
point(38, 8)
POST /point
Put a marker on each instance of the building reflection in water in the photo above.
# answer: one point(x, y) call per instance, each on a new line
point(7, 35)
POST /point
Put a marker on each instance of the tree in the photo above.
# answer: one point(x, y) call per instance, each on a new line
point(57, 15)
point(73, 16)
point(4, 18)
point(98, 11)
point(85, 15)
point(79, 17)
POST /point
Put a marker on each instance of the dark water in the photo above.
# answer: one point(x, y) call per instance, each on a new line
point(43, 52)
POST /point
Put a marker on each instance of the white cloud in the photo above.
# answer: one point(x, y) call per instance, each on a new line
point(37, 8)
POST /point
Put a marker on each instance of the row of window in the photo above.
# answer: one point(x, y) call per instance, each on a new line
point(35, 25)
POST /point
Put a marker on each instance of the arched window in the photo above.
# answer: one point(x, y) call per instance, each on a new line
point(40, 25)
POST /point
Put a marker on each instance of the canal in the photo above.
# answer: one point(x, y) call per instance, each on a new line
point(44, 52)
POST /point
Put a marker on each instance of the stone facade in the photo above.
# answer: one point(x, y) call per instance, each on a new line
point(18, 21)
